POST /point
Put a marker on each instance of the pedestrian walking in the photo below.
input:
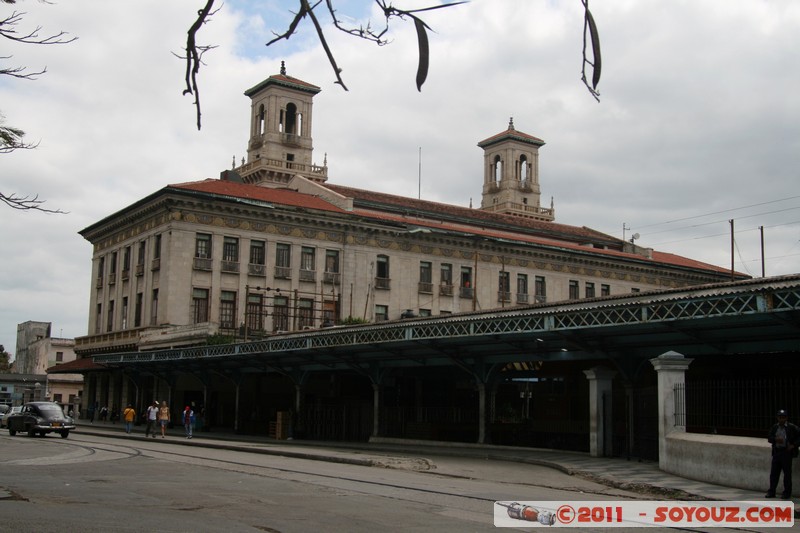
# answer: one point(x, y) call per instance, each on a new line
point(188, 421)
point(163, 418)
point(152, 417)
point(785, 438)
point(129, 415)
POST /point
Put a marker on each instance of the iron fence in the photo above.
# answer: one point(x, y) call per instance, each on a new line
point(743, 407)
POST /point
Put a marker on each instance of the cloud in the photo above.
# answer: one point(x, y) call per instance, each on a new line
point(697, 122)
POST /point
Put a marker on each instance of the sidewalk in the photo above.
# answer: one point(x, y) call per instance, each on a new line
point(420, 455)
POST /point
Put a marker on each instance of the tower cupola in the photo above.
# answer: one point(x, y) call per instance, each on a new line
point(280, 144)
point(511, 175)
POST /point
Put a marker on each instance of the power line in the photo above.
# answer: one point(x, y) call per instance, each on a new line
point(718, 212)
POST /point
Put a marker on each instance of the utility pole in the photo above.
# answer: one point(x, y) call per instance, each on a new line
point(732, 246)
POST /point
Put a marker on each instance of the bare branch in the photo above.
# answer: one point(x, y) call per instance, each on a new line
point(7, 30)
point(194, 55)
point(26, 203)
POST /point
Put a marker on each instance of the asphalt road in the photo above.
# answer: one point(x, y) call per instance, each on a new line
point(99, 484)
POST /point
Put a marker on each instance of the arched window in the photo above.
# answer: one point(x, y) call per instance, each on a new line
point(291, 119)
point(498, 169)
point(523, 168)
point(261, 120)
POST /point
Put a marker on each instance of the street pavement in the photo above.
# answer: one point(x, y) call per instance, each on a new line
point(633, 475)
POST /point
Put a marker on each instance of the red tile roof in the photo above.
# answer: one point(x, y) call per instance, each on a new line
point(286, 81)
point(446, 217)
point(233, 189)
point(513, 134)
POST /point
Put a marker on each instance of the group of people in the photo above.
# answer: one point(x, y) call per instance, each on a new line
point(158, 415)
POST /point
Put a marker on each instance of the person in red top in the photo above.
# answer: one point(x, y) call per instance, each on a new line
point(188, 421)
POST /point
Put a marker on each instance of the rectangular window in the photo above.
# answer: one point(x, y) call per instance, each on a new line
point(283, 261)
point(308, 264)
point(202, 246)
point(589, 289)
point(255, 312)
point(425, 277)
point(154, 309)
point(332, 261)
point(635, 290)
point(574, 289)
point(446, 279)
point(112, 269)
point(382, 272)
point(230, 249)
point(126, 259)
point(137, 317)
point(504, 287)
point(110, 319)
point(257, 253)
point(59, 357)
point(124, 312)
point(307, 258)
point(283, 256)
point(101, 271)
point(424, 312)
point(199, 306)
point(280, 314)
point(383, 267)
point(306, 313)
point(522, 288)
point(540, 289)
point(227, 310)
point(465, 287)
point(157, 247)
point(605, 290)
point(140, 256)
point(381, 313)
point(57, 398)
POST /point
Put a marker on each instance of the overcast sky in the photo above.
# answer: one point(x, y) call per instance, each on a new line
point(698, 121)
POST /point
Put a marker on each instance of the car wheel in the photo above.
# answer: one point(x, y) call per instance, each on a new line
point(31, 432)
point(65, 434)
point(12, 432)
point(42, 433)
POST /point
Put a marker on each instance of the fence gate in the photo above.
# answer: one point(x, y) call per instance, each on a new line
point(635, 415)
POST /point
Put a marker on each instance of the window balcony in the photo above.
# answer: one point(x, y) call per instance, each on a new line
point(256, 270)
point(99, 284)
point(540, 299)
point(382, 283)
point(282, 272)
point(308, 275)
point(445, 290)
point(331, 277)
point(503, 296)
point(126, 275)
point(202, 263)
point(230, 266)
point(156, 264)
point(425, 287)
point(466, 292)
point(112, 278)
point(140, 270)
point(522, 298)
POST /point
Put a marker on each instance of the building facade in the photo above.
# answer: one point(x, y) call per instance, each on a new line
point(271, 247)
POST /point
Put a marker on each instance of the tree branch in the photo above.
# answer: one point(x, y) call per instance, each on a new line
point(194, 55)
point(26, 203)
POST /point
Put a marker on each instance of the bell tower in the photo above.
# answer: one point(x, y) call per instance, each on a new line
point(280, 144)
point(511, 175)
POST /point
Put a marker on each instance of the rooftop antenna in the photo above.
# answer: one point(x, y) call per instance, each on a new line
point(419, 175)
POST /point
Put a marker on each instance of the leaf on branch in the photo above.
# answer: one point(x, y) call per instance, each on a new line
point(424, 52)
point(590, 27)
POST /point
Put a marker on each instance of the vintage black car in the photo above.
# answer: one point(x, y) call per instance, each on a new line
point(40, 418)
